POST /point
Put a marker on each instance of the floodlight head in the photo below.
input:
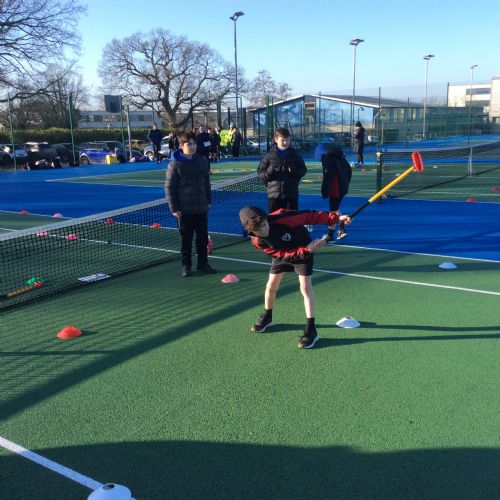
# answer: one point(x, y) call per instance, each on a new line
point(474, 66)
point(235, 16)
point(356, 41)
point(428, 56)
point(418, 164)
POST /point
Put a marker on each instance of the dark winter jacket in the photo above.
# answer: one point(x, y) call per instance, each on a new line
point(359, 139)
point(288, 238)
point(187, 186)
point(281, 173)
point(203, 144)
point(155, 136)
point(336, 170)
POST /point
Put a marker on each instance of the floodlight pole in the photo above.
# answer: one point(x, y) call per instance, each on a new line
point(472, 68)
point(426, 59)
point(70, 111)
point(234, 18)
point(12, 133)
point(354, 42)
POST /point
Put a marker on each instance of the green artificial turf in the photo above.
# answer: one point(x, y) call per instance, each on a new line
point(168, 391)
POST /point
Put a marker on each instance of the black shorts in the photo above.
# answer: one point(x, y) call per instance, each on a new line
point(302, 269)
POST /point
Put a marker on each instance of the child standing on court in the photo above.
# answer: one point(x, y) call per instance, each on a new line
point(337, 175)
point(282, 235)
point(281, 170)
point(189, 198)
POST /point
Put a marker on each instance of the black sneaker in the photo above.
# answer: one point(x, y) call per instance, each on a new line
point(206, 268)
point(262, 323)
point(186, 271)
point(309, 338)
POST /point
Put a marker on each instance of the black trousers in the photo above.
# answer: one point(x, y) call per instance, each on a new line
point(156, 151)
point(188, 226)
point(277, 203)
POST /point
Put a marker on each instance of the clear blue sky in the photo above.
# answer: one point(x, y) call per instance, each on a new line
point(306, 43)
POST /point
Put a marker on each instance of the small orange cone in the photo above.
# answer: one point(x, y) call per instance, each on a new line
point(57, 215)
point(69, 332)
point(24, 212)
point(495, 189)
point(470, 200)
point(230, 278)
point(155, 225)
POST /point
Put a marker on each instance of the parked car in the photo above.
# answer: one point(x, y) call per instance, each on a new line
point(165, 150)
point(64, 151)
point(40, 151)
point(254, 147)
point(91, 153)
point(7, 153)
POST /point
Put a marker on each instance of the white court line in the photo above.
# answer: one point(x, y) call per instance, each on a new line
point(379, 278)
point(50, 464)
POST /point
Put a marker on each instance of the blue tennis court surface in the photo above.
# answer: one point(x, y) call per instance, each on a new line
point(459, 229)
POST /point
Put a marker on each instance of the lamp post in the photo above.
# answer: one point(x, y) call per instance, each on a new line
point(360, 109)
point(354, 42)
point(426, 59)
point(234, 18)
point(472, 68)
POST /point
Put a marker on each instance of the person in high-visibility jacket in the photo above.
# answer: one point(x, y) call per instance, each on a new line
point(225, 140)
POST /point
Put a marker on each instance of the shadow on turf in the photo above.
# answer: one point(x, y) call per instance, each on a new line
point(186, 469)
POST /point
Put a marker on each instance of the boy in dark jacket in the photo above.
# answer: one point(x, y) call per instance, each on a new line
point(337, 175)
point(282, 235)
point(189, 198)
point(281, 170)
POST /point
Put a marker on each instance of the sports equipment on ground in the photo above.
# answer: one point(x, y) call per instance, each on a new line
point(448, 265)
point(348, 322)
point(417, 166)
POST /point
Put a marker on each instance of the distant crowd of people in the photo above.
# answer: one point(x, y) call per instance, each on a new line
point(213, 143)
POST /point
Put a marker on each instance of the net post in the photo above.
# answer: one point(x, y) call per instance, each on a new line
point(379, 156)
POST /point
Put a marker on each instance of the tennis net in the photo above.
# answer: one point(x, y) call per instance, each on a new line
point(441, 166)
point(45, 260)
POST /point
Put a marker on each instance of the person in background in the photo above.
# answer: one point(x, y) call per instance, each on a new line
point(280, 171)
point(282, 235)
point(236, 142)
point(225, 140)
point(189, 197)
point(56, 162)
point(155, 136)
point(215, 141)
point(203, 144)
point(337, 175)
point(359, 142)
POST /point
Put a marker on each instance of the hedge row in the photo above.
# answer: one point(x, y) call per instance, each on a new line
point(59, 135)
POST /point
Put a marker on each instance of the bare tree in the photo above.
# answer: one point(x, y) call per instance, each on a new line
point(166, 73)
point(264, 85)
point(50, 108)
point(33, 35)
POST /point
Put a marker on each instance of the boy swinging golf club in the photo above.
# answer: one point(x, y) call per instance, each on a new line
point(282, 235)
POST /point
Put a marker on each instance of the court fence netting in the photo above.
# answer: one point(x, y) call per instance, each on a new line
point(441, 166)
point(45, 260)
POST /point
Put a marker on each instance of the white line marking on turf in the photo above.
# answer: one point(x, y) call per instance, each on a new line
point(50, 464)
point(366, 276)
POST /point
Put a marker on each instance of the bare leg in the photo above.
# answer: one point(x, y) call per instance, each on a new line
point(273, 283)
point(308, 294)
